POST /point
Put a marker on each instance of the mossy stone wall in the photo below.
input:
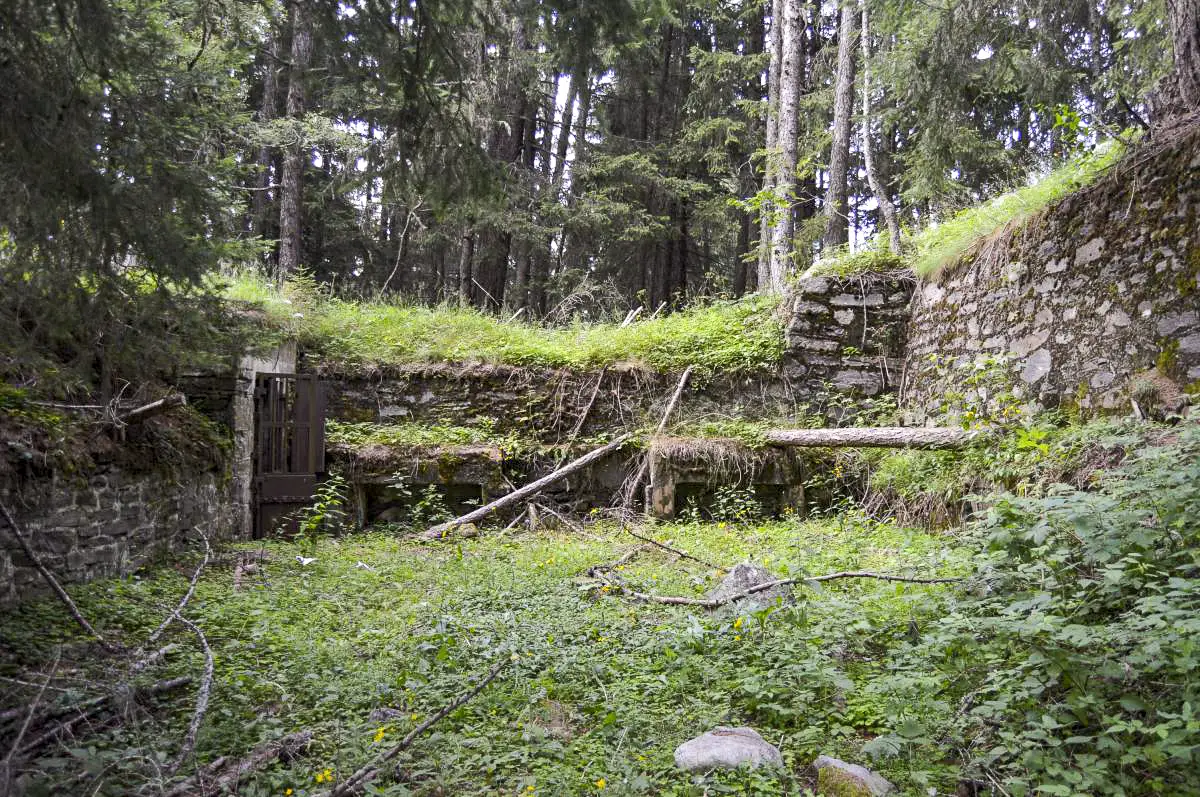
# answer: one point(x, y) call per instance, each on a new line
point(1089, 304)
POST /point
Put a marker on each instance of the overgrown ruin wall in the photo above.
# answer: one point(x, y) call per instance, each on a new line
point(544, 403)
point(1085, 306)
point(847, 335)
point(106, 522)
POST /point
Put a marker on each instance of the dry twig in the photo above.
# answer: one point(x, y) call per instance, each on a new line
point(187, 596)
point(676, 551)
point(189, 739)
point(713, 603)
point(369, 771)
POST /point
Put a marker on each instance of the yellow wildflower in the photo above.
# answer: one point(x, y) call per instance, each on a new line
point(379, 734)
point(737, 637)
point(287, 792)
point(738, 622)
point(325, 777)
point(601, 783)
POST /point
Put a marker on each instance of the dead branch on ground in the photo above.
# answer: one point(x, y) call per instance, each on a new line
point(528, 491)
point(187, 596)
point(369, 771)
point(189, 739)
point(95, 706)
point(713, 603)
point(224, 774)
point(682, 554)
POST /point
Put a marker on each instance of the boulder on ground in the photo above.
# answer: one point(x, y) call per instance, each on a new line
point(836, 778)
point(745, 576)
point(727, 748)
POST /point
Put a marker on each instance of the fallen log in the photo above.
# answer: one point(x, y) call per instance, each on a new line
point(528, 491)
point(934, 437)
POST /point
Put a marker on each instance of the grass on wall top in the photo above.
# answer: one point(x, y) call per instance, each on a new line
point(931, 250)
point(727, 336)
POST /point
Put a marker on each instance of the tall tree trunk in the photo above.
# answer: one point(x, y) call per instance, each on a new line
point(465, 258)
point(837, 221)
point(741, 252)
point(785, 178)
point(261, 223)
point(292, 185)
point(775, 54)
point(1184, 17)
point(886, 209)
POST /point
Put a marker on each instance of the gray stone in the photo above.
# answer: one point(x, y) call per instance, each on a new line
point(844, 317)
point(1118, 318)
point(837, 778)
point(1190, 344)
point(1170, 324)
point(809, 308)
point(727, 748)
point(1089, 251)
point(814, 285)
point(1023, 346)
point(1036, 367)
point(745, 576)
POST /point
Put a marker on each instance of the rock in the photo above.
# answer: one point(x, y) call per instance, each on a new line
point(744, 576)
point(836, 778)
point(1037, 366)
point(727, 748)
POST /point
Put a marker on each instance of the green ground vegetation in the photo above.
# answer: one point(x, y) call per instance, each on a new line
point(1064, 663)
point(933, 248)
point(599, 692)
point(727, 336)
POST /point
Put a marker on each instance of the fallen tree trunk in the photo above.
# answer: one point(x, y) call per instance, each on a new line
point(877, 437)
point(528, 491)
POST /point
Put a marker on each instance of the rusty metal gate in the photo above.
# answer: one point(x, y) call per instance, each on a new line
point(289, 447)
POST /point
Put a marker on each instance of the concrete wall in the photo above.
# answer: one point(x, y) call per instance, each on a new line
point(1092, 302)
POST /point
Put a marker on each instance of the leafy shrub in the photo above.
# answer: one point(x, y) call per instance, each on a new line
point(1075, 660)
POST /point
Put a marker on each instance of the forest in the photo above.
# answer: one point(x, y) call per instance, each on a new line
point(568, 397)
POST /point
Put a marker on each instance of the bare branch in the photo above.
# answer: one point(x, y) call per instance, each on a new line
point(676, 551)
point(187, 595)
point(713, 603)
point(189, 739)
point(368, 771)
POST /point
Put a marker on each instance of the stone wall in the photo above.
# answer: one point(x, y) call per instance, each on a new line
point(227, 397)
point(847, 335)
point(106, 522)
point(1084, 306)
